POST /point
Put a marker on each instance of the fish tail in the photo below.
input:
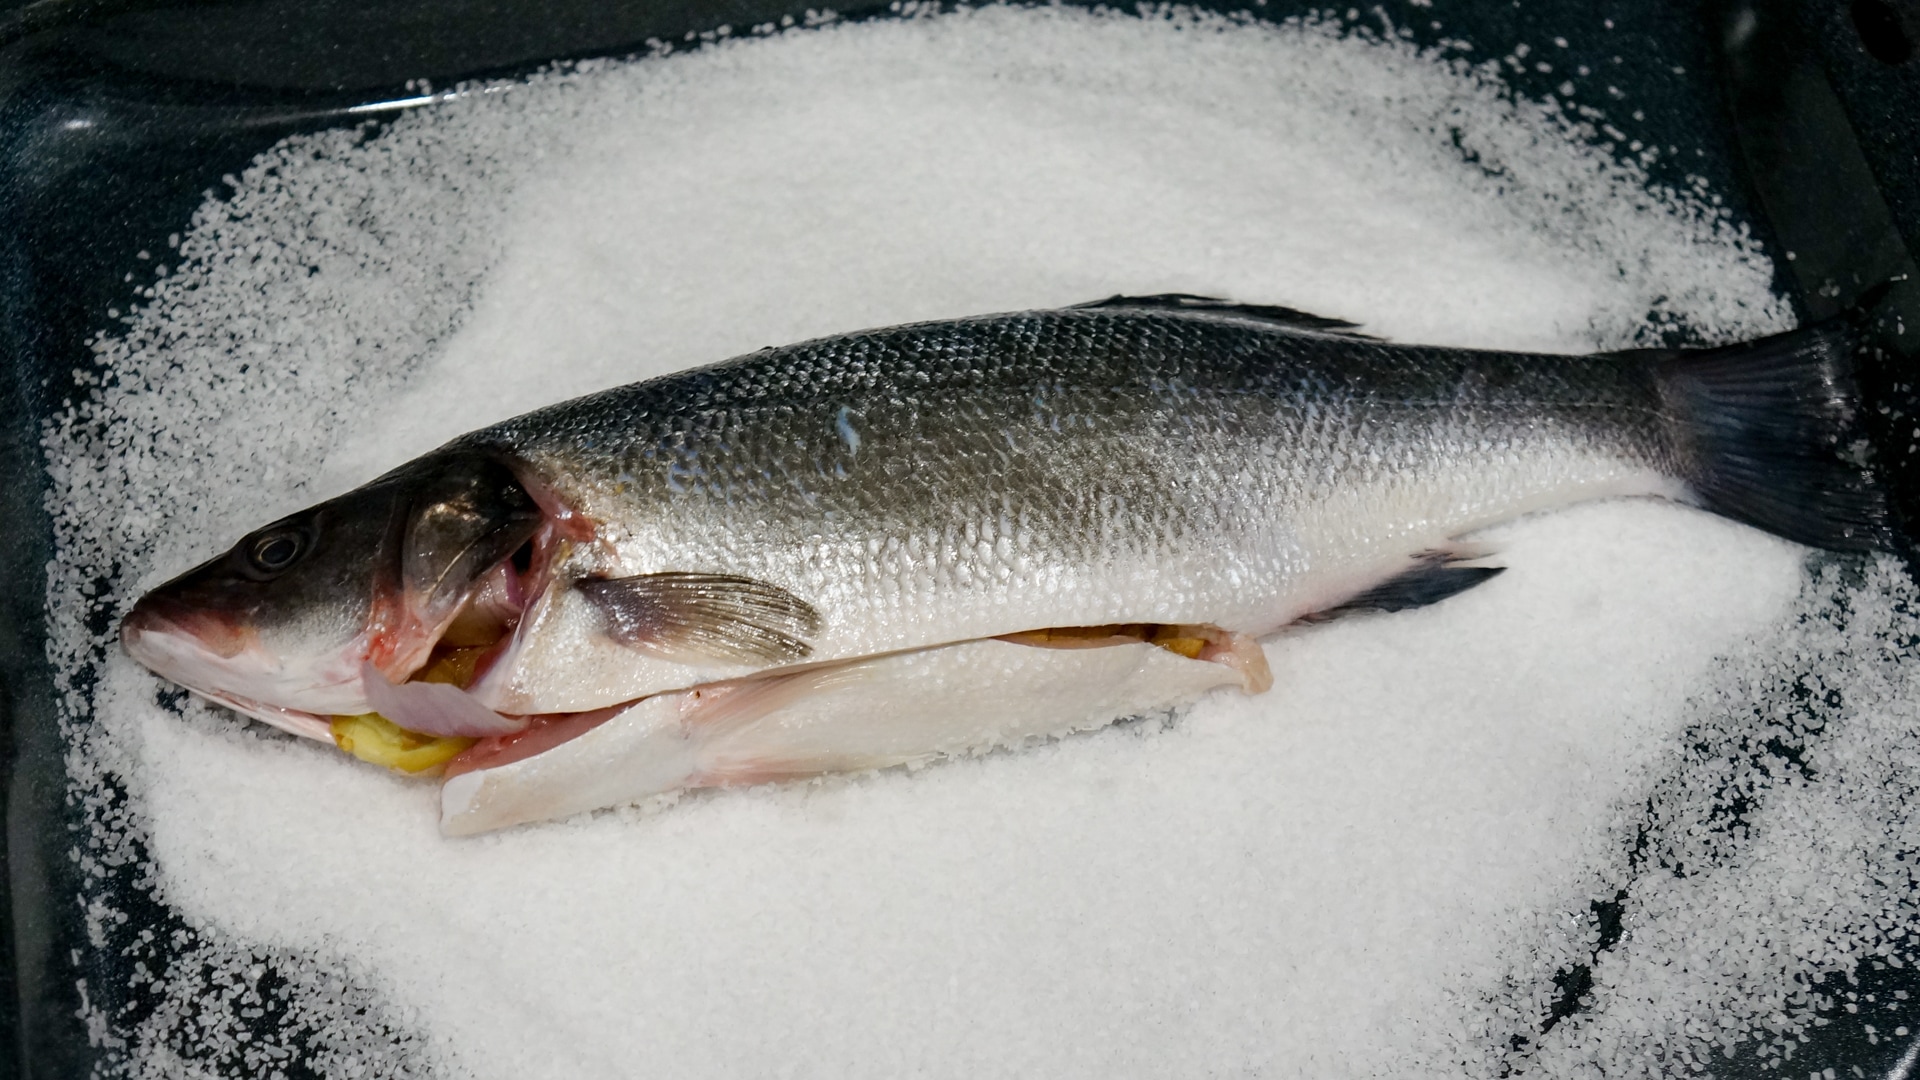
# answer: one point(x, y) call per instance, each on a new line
point(1770, 432)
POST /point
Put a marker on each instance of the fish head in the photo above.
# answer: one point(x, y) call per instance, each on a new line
point(283, 626)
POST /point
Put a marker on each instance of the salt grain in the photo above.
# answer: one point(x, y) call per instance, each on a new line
point(1377, 867)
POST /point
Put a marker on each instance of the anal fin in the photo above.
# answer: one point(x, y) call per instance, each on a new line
point(1433, 577)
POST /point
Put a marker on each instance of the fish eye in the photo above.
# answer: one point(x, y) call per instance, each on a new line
point(273, 552)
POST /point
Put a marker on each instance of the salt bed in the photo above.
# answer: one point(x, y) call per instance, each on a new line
point(1378, 867)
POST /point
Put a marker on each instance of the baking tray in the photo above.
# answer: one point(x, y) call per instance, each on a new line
point(116, 120)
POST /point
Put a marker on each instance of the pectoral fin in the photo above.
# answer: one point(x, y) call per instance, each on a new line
point(716, 616)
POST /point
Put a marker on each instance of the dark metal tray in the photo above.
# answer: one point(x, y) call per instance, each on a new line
point(117, 117)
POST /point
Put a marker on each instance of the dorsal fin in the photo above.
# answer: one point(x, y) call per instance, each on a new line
point(1268, 313)
point(1646, 356)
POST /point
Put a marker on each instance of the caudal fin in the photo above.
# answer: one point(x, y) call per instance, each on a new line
point(1769, 433)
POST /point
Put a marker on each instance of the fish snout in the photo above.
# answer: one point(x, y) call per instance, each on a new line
point(221, 658)
point(156, 629)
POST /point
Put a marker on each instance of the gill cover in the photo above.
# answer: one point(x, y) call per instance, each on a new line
point(467, 517)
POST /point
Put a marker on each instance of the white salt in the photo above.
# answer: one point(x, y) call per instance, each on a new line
point(1376, 867)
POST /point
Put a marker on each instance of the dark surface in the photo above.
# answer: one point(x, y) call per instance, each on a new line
point(1825, 159)
point(117, 118)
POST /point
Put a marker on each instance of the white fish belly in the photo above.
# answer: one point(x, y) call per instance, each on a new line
point(890, 710)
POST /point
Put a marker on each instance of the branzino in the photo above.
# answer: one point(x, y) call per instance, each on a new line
point(1149, 462)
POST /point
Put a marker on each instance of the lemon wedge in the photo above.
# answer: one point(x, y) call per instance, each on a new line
point(376, 739)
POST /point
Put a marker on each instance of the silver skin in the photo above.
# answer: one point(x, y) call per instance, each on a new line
point(1166, 460)
point(962, 480)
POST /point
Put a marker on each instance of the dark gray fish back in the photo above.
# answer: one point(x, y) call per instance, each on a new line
point(1118, 359)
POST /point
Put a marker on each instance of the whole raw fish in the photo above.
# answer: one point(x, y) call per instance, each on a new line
point(1167, 469)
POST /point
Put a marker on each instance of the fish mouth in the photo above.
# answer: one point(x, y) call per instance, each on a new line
point(208, 656)
point(162, 644)
point(152, 632)
point(190, 647)
point(219, 659)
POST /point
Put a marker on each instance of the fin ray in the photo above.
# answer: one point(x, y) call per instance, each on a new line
point(721, 616)
point(1770, 434)
point(1268, 313)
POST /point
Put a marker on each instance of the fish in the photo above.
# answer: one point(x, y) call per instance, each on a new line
point(1172, 471)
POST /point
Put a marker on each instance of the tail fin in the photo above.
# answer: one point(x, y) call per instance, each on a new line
point(1769, 433)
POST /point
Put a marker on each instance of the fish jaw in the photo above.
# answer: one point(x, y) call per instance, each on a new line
point(878, 712)
point(300, 694)
point(224, 663)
